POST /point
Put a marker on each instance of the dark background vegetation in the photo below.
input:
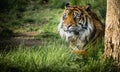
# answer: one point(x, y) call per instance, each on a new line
point(41, 49)
point(11, 11)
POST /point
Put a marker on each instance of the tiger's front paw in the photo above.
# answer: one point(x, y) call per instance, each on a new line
point(80, 52)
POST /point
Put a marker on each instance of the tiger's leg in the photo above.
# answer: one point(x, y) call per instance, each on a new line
point(80, 52)
point(76, 50)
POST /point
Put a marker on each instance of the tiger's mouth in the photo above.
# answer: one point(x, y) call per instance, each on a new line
point(71, 33)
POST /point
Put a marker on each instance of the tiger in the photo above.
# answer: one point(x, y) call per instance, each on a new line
point(80, 26)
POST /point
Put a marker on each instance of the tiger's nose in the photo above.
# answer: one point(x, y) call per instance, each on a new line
point(76, 32)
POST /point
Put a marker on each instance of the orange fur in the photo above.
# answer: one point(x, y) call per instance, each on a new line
point(81, 52)
point(69, 20)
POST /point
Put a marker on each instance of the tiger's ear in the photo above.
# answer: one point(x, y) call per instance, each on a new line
point(88, 7)
point(67, 5)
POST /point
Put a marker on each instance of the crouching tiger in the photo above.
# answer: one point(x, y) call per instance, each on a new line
point(80, 26)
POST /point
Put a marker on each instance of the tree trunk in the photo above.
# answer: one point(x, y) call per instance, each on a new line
point(112, 31)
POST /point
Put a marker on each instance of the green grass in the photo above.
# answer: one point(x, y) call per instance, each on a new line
point(36, 58)
point(52, 57)
point(37, 20)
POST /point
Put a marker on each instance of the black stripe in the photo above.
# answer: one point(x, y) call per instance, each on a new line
point(86, 24)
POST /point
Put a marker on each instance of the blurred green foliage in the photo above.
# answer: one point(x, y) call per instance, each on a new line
point(17, 12)
point(53, 56)
point(98, 6)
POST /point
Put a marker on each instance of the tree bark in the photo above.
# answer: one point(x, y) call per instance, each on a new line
point(112, 31)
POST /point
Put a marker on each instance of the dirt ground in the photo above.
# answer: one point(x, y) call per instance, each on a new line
point(26, 39)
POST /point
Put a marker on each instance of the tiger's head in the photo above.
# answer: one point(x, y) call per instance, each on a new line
point(75, 15)
point(77, 25)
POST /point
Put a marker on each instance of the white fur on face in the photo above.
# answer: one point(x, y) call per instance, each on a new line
point(83, 36)
point(64, 33)
point(61, 30)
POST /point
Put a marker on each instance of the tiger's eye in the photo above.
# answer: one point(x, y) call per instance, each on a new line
point(76, 15)
point(64, 16)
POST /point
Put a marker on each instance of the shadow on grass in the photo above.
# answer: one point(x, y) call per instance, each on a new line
point(47, 35)
point(51, 68)
point(27, 39)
